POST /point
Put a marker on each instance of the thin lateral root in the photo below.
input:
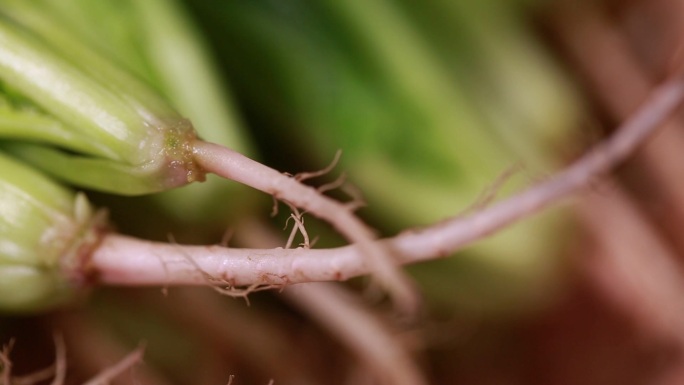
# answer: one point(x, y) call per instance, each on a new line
point(60, 360)
point(35, 377)
point(489, 194)
point(302, 176)
point(337, 183)
point(6, 377)
point(298, 227)
point(107, 375)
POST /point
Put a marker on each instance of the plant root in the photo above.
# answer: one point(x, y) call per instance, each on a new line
point(302, 176)
point(6, 377)
point(59, 369)
point(350, 322)
point(37, 377)
point(607, 61)
point(60, 360)
point(298, 228)
point(634, 268)
point(107, 375)
point(235, 166)
point(56, 371)
point(123, 260)
point(489, 194)
point(86, 335)
point(219, 285)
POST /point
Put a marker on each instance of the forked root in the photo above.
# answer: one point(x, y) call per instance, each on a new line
point(124, 260)
point(235, 166)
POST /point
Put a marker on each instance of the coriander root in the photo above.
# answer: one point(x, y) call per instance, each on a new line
point(122, 137)
point(122, 260)
point(235, 166)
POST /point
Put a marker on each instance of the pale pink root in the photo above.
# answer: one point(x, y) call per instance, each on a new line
point(127, 261)
point(92, 348)
point(637, 272)
point(60, 360)
point(57, 371)
point(634, 267)
point(6, 374)
point(218, 324)
point(107, 375)
point(235, 166)
point(347, 319)
point(355, 324)
point(606, 60)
